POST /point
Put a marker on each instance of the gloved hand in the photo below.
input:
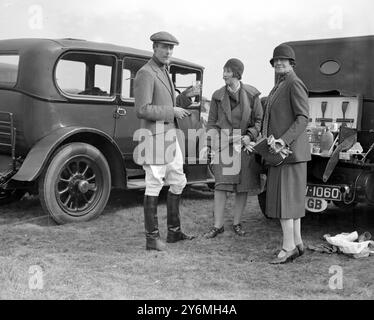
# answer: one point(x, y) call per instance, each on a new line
point(275, 145)
point(247, 144)
point(278, 146)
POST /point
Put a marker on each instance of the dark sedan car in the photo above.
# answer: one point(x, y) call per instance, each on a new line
point(67, 121)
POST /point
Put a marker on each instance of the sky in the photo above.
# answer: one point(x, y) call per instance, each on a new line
point(209, 31)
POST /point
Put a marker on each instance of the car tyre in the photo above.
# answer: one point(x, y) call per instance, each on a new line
point(76, 183)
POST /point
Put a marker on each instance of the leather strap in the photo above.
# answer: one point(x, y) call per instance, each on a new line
point(346, 144)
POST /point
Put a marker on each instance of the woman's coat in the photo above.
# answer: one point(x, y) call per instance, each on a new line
point(220, 129)
point(289, 115)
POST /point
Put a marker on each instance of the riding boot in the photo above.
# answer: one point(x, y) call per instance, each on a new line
point(173, 220)
point(153, 241)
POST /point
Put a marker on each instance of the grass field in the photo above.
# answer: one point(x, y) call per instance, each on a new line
point(106, 258)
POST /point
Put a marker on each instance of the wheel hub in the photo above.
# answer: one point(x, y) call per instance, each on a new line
point(80, 185)
point(83, 186)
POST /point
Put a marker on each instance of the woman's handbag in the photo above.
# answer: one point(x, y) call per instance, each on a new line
point(272, 159)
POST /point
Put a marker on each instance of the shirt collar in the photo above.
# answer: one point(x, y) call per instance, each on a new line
point(159, 63)
point(235, 90)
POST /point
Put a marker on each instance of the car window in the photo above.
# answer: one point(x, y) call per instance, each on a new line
point(8, 69)
point(86, 75)
point(330, 67)
point(102, 77)
point(187, 81)
point(183, 81)
point(71, 76)
point(130, 68)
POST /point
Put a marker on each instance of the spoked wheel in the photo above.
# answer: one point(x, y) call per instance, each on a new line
point(76, 184)
point(9, 196)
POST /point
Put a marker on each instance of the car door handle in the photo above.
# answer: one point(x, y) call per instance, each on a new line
point(121, 112)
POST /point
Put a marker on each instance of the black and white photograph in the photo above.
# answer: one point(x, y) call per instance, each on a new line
point(201, 153)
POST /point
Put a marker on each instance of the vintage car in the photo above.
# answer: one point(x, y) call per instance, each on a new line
point(67, 120)
point(338, 75)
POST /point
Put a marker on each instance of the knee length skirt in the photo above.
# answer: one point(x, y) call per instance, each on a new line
point(285, 191)
point(247, 179)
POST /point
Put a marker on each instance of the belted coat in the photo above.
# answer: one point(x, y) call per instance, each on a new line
point(220, 129)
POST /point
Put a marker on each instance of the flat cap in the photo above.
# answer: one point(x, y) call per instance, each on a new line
point(164, 37)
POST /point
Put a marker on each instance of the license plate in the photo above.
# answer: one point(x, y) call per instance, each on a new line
point(315, 204)
point(324, 192)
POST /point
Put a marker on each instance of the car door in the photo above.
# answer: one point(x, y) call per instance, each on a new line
point(184, 78)
point(87, 79)
point(126, 120)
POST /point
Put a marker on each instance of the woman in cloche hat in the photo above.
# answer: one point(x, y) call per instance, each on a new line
point(234, 122)
point(285, 120)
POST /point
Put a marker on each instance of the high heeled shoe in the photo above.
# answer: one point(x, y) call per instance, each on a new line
point(288, 257)
point(301, 248)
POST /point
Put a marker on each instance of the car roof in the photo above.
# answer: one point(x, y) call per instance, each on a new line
point(354, 56)
point(35, 52)
point(32, 44)
point(358, 39)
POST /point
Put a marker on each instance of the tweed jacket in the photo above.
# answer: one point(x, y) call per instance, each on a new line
point(289, 116)
point(154, 102)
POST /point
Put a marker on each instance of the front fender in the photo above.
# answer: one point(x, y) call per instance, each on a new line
point(38, 156)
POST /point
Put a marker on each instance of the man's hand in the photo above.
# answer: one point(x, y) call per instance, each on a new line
point(180, 113)
point(192, 91)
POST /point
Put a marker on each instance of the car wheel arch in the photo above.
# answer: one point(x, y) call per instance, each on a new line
point(38, 157)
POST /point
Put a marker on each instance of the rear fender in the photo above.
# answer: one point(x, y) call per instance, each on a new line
point(37, 159)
